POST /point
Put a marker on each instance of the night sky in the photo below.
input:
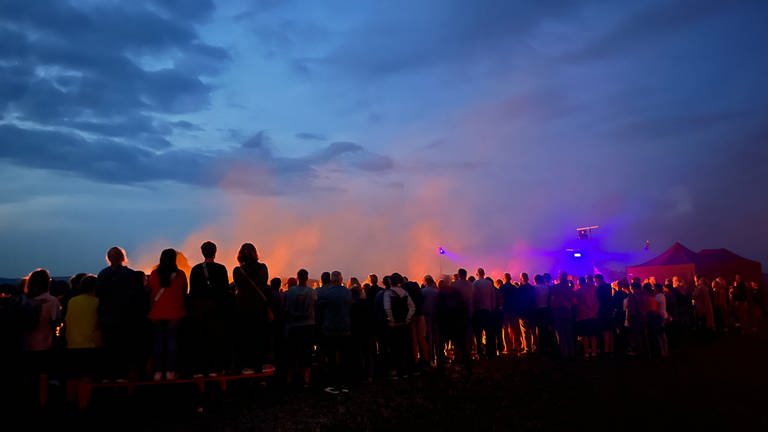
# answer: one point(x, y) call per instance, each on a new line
point(362, 135)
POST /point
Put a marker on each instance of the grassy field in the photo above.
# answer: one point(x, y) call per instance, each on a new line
point(701, 386)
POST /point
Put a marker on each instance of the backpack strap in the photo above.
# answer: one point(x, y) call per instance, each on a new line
point(207, 276)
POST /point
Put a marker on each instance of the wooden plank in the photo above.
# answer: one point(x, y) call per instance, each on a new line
point(85, 386)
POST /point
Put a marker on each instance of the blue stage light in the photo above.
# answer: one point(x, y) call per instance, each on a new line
point(577, 254)
point(441, 251)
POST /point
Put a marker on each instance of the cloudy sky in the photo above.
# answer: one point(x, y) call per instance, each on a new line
point(361, 135)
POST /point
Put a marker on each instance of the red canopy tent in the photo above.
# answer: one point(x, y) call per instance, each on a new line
point(680, 261)
point(722, 262)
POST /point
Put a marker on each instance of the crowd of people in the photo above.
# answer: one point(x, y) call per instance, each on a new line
point(123, 324)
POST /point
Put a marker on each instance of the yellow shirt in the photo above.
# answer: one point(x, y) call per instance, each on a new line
point(82, 322)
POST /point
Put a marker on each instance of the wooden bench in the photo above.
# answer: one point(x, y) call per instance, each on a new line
point(84, 387)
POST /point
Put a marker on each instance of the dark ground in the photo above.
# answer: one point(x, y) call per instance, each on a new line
point(701, 386)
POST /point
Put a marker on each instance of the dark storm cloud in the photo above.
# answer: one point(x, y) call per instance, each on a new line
point(189, 9)
point(309, 136)
point(654, 23)
point(115, 161)
point(103, 69)
point(431, 33)
point(187, 126)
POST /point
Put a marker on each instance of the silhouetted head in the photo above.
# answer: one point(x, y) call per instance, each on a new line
point(38, 282)
point(325, 278)
point(648, 287)
point(247, 254)
point(373, 279)
point(480, 273)
point(274, 284)
point(88, 284)
point(538, 279)
point(563, 277)
point(599, 278)
point(582, 281)
point(354, 282)
point(167, 266)
point(462, 273)
point(336, 278)
point(524, 277)
point(387, 281)
point(507, 277)
point(74, 281)
point(396, 279)
point(168, 258)
point(292, 281)
point(356, 292)
point(302, 276)
point(429, 281)
point(208, 249)
point(635, 286)
point(115, 256)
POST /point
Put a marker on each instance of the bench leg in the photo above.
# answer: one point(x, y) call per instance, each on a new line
point(84, 391)
point(43, 395)
point(71, 386)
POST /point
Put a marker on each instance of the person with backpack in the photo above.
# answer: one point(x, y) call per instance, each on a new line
point(253, 300)
point(299, 305)
point(399, 309)
point(208, 286)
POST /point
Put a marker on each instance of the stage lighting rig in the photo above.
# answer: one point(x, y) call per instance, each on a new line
point(585, 233)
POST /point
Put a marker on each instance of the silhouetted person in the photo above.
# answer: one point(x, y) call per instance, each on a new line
point(526, 302)
point(83, 334)
point(208, 287)
point(275, 327)
point(484, 300)
point(542, 317)
point(561, 303)
point(637, 305)
point(418, 325)
point(466, 289)
point(739, 297)
point(604, 294)
point(123, 308)
point(253, 312)
point(167, 287)
point(336, 302)
point(18, 314)
point(399, 310)
point(39, 339)
point(429, 292)
point(452, 322)
point(299, 308)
